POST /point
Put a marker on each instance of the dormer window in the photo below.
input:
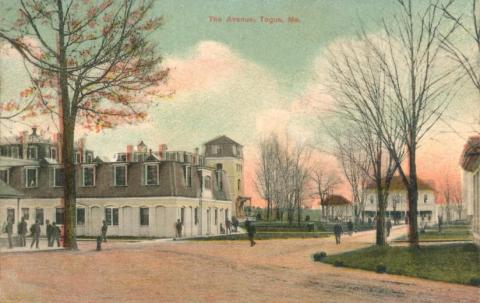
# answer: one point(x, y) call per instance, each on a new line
point(207, 182)
point(15, 152)
point(5, 175)
point(187, 174)
point(32, 153)
point(139, 156)
point(58, 177)
point(151, 174)
point(121, 157)
point(371, 199)
point(425, 198)
point(120, 175)
point(89, 158)
point(31, 177)
point(78, 158)
point(88, 176)
point(53, 153)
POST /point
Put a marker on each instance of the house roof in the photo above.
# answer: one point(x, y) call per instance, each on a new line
point(10, 162)
point(336, 200)
point(397, 184)
point(6, 191)
point(471, 154)
point(222, 140)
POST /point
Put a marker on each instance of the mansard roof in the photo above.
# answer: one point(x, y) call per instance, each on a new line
point(222, 140)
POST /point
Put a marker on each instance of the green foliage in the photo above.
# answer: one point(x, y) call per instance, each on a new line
point(319, 256)
point(457, 263)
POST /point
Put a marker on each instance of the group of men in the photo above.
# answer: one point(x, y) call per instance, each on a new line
point(53, 233)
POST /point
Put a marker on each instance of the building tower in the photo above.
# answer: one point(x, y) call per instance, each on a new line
point(226, 156)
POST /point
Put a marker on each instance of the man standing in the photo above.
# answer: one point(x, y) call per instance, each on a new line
point(104, 231)
point(55, 234)
point(9, 230)
point(22, 231)
point(389, 227)
point(35, 229)
point(49, 233)
point(251, 230)
point(228, 225)
point(178, 228)
point(337, 230)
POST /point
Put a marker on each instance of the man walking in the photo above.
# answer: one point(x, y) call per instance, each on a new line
point(251, 230)
point(22, 231)
point(178, 228)
point(35, 229)
point(337, 230)
point(49, 233)
point(9, 230)
point(104, 231)
point(55, 234)
point(389, 227)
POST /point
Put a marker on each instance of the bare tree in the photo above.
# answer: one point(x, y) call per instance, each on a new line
point(419, 88)
point(265, 173)
point(452, 197)
point(468, 26)
point(89, 60)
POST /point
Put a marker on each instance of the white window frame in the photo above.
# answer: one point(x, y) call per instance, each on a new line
point(15, 154)
point(145, 179)
point(94, 175)
point(111, 214)
point(188, 181)
point(115, 175)
point(55, 176)
point(35, 148)
point(53, 149)
point(26, 176)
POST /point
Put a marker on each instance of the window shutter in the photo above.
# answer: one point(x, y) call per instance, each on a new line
point(51, 172)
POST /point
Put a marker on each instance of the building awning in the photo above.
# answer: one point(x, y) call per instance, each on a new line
point(6, 191)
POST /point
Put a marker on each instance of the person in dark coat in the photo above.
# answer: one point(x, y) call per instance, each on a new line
point(228, 227)
point(178, 228)
point(337, 230)
point(9, 230)
point(350, 227)
point(35, 229)
point(389, 227)
point(22, 232)
point(104, 231)
point(251, 230)
point(235, 224)
point(56, 234)
point(49, 234)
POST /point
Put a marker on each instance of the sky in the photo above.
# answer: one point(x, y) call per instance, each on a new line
point(245, 80)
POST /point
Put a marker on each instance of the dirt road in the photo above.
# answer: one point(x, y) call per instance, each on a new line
point(211, 271)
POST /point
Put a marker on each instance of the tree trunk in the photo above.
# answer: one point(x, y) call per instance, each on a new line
point(412, 201)
point(380, 236)
point(70, 241)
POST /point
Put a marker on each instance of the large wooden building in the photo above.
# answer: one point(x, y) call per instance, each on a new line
point(140, 192)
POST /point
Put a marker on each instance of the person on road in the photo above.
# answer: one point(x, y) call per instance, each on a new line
point(178, 228)
point(9, 230)
point(228, 226)
point(235, 224)
point(389, 227)
point(56, 234)
point(440, 222)
point(104, 231)
point(22, 232)
point(350, 227)
point(337, 230)
point(35, 229)
point(251, 230)
point(49, 233)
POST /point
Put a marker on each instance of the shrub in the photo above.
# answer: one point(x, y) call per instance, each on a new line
point(475, 281)
point(338, 263)
point(381, 269)
point(319, 256)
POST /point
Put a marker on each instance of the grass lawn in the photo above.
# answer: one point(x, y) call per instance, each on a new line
point(268, 236)
point(449, 233)
point(455, 263)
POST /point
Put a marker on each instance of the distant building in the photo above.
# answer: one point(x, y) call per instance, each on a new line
point(470, 163)
point(337, 207)
point(140, 192)
point(397, 204)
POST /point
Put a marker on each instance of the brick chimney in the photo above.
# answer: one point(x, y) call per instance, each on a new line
point(129, 152)
point(162, 148)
